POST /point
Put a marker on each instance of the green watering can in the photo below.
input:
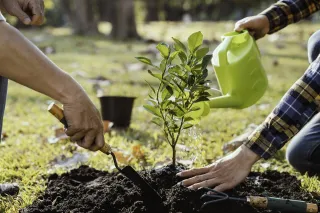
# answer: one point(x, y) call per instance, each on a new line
point(241, 76)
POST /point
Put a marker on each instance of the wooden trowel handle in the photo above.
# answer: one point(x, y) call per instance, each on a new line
point(57, 112)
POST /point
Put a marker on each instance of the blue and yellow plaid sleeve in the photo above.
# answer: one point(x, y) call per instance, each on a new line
point(295, 109)
point(286, 12)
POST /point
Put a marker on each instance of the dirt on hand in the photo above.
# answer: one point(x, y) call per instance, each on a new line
point(91, 191)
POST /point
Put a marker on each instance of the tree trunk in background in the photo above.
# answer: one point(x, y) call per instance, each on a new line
point(223, 10)
point(81, 14)
point(106, 9)
point(153, 9)
point(123, 21)
point(174, 10)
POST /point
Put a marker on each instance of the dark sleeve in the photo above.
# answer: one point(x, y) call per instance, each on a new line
point(294, 111)
point(286, 12)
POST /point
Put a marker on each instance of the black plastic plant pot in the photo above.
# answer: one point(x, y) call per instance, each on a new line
point(117, 109)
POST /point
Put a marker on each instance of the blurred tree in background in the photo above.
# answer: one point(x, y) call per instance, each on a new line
point(84, 16)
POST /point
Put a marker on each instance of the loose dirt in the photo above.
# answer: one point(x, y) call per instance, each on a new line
point(91, 191)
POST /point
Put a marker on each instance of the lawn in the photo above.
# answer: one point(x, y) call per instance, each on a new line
point(28, 158)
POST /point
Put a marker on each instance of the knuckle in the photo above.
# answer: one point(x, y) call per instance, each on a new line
point(86, 144)
point(94, 149)
point(100, 145)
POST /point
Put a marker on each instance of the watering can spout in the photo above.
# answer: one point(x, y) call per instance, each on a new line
point(226, 101)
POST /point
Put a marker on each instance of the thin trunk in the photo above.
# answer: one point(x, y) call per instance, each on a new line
point(84, 22)
point(123, 21)
point(174, 156)
point(106, 9)
point(81, 14)
point(153, 8)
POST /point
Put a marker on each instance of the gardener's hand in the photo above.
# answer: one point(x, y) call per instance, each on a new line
point(84, 122)
point(27, 11)
point(224, 174)
point(258, 26)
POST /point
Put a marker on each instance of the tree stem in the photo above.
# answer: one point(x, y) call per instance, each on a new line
point(173, 156)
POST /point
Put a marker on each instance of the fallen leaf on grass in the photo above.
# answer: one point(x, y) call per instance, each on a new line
point(4, 136)
point(107, 125)
point(122, 158)
point(137, 152)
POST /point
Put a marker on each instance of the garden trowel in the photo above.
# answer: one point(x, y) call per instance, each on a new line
point(152, 198)
point(268, 203)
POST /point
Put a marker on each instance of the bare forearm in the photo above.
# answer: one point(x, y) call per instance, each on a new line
point(24, 63)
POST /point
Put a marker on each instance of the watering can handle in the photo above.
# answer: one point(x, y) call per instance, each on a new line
point(223, 59)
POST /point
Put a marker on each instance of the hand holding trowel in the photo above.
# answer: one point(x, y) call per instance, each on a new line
point(148, 192)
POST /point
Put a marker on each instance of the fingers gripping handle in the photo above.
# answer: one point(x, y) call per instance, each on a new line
point(57, 112)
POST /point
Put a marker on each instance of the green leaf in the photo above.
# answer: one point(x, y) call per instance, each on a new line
point(150, 96)
point(153, 110)
point(178, 86)
point(202, 52)
point(152, 89)
point(164, 50)
point(199, 88)
point(187, 126)
point(205, 94)
point(188, 68)
point(191, 80)
point(163, 65)
point(156, 75)
point(158, 121)
point(177, 111)
point(175, 70)
point(195, 121)
point(173, 128)
point(183, 78)
point(204, 74)
point(194, 108)
point(165, 103)
point(195, 41)
point(178, 45)
point(186, 119)
point(166, 93)
point(201, 99)
point(205, 61)
point(172, 56)
point(183, 57)
point(153, 101)
point(196, 111)
point(145, 60)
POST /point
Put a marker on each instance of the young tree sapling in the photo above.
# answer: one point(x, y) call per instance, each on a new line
point(180, 99)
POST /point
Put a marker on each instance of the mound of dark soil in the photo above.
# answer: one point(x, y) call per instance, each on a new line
point(90, 191)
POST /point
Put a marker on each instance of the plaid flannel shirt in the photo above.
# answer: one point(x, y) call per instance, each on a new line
point(286, 12)
point(299, 104)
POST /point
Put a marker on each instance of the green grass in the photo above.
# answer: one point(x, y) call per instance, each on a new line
point(26, 155)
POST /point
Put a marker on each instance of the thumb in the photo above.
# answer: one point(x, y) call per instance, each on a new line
point(21, 15)
point(222, 187)
point(242, 25)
